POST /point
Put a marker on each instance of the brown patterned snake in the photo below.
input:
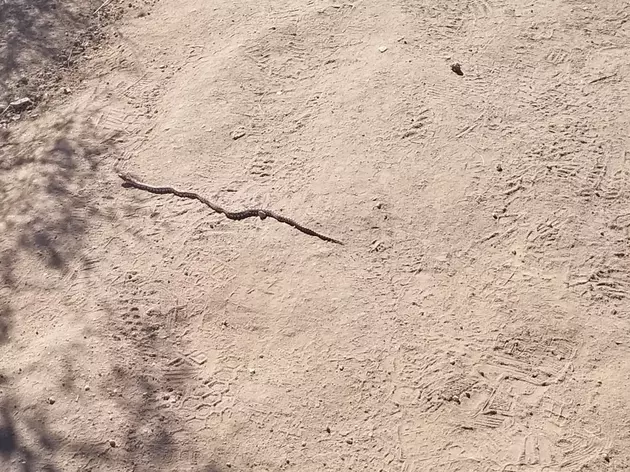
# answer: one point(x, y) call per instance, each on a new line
point(232, 215)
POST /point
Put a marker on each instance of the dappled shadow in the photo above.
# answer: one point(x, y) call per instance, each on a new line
point(6, 313)
point(56, 192)
point(56, 187)
point(33, 437)
point(11, 445)
point(42, 212)
point(8, 435)
point(39, 39)
point(42, 228)
point(28, 443)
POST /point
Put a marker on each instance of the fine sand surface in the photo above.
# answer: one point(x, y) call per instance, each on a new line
point(477, 317)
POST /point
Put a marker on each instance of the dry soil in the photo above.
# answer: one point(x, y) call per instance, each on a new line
point(475, 320)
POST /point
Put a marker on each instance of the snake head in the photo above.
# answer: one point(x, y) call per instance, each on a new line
point(127, 177)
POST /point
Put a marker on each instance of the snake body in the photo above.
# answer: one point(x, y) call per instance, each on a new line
point(232, 215)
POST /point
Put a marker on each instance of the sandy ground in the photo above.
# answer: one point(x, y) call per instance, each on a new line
point(476, 318)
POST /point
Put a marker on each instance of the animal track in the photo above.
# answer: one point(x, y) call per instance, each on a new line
point(262, 165)
point(114, 120)
point(612, 283)
point(580, 449)
point(480, 8)
point(538, 359)
point(557, 412)
point(557, 56)
point(413, 122)
point(281, 54)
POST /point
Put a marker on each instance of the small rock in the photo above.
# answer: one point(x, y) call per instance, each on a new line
point(349, 441)
point(252, 371)
point(51, 400)
point(328, 429)
point(457, 68)
point(499, 168)
point(112, 443)
point(66, 90)
point(238, 134)
point(21, 103)
point(382, 49)
point(86, 388)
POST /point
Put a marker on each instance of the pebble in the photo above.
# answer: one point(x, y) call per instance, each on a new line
point(51, 400)
point(382, 49)
point(238, 134)
point(21, 103)
point(112, 443)
point(457, 68)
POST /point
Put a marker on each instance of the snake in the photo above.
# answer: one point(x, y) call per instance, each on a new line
point(130, 180)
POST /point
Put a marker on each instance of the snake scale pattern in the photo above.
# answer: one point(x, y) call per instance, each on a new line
point(131, 181)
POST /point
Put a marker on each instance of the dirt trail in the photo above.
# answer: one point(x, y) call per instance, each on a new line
point(476, 318)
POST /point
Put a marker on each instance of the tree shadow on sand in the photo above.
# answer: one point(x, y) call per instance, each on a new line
point(56, 189)
point(39, 39)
